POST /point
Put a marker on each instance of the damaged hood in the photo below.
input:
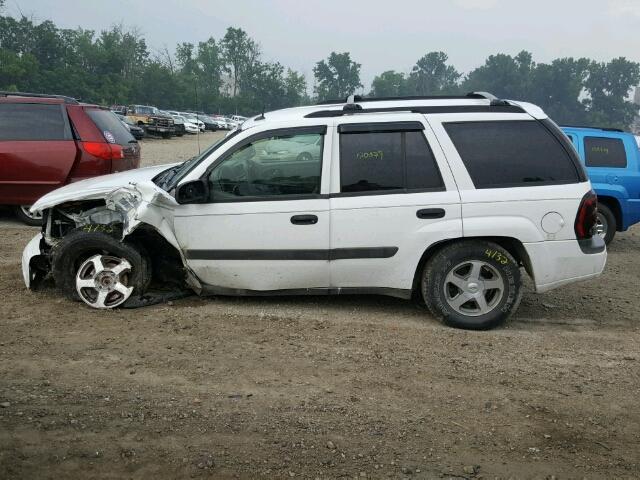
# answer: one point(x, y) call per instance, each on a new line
point(98, 187)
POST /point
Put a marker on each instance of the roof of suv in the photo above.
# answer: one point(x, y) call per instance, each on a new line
point(473, 102)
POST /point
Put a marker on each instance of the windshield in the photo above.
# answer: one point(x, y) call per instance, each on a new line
point(168, 179)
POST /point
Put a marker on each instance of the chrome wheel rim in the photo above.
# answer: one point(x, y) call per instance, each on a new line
point(473, 288)
point(25, 211)
point(601, 225)
point(102, 281)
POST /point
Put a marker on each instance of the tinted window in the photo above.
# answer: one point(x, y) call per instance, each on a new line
point(422, 170)
point(511, 153)
point(604, 152)
point(31, 121)
point(275, 166)
point(375, 161)
point(111, 127)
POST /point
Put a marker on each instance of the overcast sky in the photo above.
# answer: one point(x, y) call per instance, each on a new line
point(381, 35)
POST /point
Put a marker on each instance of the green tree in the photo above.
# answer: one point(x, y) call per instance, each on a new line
point(389, 84)
point(240, 54)
point(337, 77)
point(295, 86)
point(432, 76)
point(557, 88)
point(608, 87)
point(210, 65)
point(503, 75)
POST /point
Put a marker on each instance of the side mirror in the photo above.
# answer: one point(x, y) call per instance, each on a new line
point(195, 191)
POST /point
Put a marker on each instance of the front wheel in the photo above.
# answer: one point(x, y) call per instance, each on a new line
point(92, 265)
point(473, 285)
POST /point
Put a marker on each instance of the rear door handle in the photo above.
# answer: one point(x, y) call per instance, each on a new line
point(426, 213)
point(304, 219)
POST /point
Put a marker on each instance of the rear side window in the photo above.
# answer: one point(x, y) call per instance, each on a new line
point(393, 161)
point(501, 154)
point(32, 122)
point(604, 152)
point(110, 126)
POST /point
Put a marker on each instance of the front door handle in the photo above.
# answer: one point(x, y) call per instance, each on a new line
point(426, 213)
point(304, 219)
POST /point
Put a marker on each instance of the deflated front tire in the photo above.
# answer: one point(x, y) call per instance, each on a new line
point(91, 264)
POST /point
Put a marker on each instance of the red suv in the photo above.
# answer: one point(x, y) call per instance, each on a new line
point(47, 141)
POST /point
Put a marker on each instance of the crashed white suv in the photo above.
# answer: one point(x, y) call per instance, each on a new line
point(441, 199)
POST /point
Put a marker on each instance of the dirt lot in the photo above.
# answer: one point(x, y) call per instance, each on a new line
point(318, 387)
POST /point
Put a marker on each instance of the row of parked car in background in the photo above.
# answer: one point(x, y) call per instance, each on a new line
point(146, 119)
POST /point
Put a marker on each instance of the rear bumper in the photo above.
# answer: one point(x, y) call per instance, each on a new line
point(557, 263)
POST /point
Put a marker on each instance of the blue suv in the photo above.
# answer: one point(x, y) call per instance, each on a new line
point(612, 159)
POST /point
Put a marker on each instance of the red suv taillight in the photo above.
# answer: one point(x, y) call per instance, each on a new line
point(587, 216)
point(106, 151)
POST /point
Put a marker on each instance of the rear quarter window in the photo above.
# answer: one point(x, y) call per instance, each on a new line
point(500, 154)
point(33, 122)
point(604, 152)
point(110, 126)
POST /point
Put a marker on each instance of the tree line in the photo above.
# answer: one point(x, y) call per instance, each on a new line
point(116, 66)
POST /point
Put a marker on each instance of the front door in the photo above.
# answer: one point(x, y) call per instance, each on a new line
point(266, 226)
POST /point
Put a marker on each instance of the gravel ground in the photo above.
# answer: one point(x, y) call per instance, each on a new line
point(318, 387)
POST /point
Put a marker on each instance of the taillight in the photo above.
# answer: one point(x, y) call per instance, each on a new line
point(587, 216)
point(106, 151)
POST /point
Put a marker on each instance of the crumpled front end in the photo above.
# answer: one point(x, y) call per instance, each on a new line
point(137, 209)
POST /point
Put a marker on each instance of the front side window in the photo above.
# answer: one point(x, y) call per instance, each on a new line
point(387, 161)
point(277, 166)
point(500, 154)
point(604, 152)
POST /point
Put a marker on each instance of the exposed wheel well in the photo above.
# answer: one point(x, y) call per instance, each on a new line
point(512, 245)
point(614, 206)
point(166, 263)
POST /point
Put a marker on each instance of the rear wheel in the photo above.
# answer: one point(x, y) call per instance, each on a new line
point(25, 216)
point(606, 224)
point(97, 268)
point(472, 284)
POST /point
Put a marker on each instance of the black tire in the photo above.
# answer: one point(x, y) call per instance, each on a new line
point(608, 221)
point(499, 263)
point(80, 244)
point(26, 219)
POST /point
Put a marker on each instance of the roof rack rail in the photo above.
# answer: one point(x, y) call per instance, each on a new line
point(360, 98)
point(606, 129)
point(351, 109)
point(66, 99)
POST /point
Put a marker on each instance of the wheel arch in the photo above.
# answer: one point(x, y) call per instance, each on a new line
point(614, 205)
point(510, 244)
point(166, 260)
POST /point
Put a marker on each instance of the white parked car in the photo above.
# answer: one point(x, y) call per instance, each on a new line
point(193, 119)
point(223, 123)
point(445, 200)
point(189, 126)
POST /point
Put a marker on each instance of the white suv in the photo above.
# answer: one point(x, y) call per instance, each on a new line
point(440, 199)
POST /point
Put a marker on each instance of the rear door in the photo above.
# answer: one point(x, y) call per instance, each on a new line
point(37, 151)
point(393, 196)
